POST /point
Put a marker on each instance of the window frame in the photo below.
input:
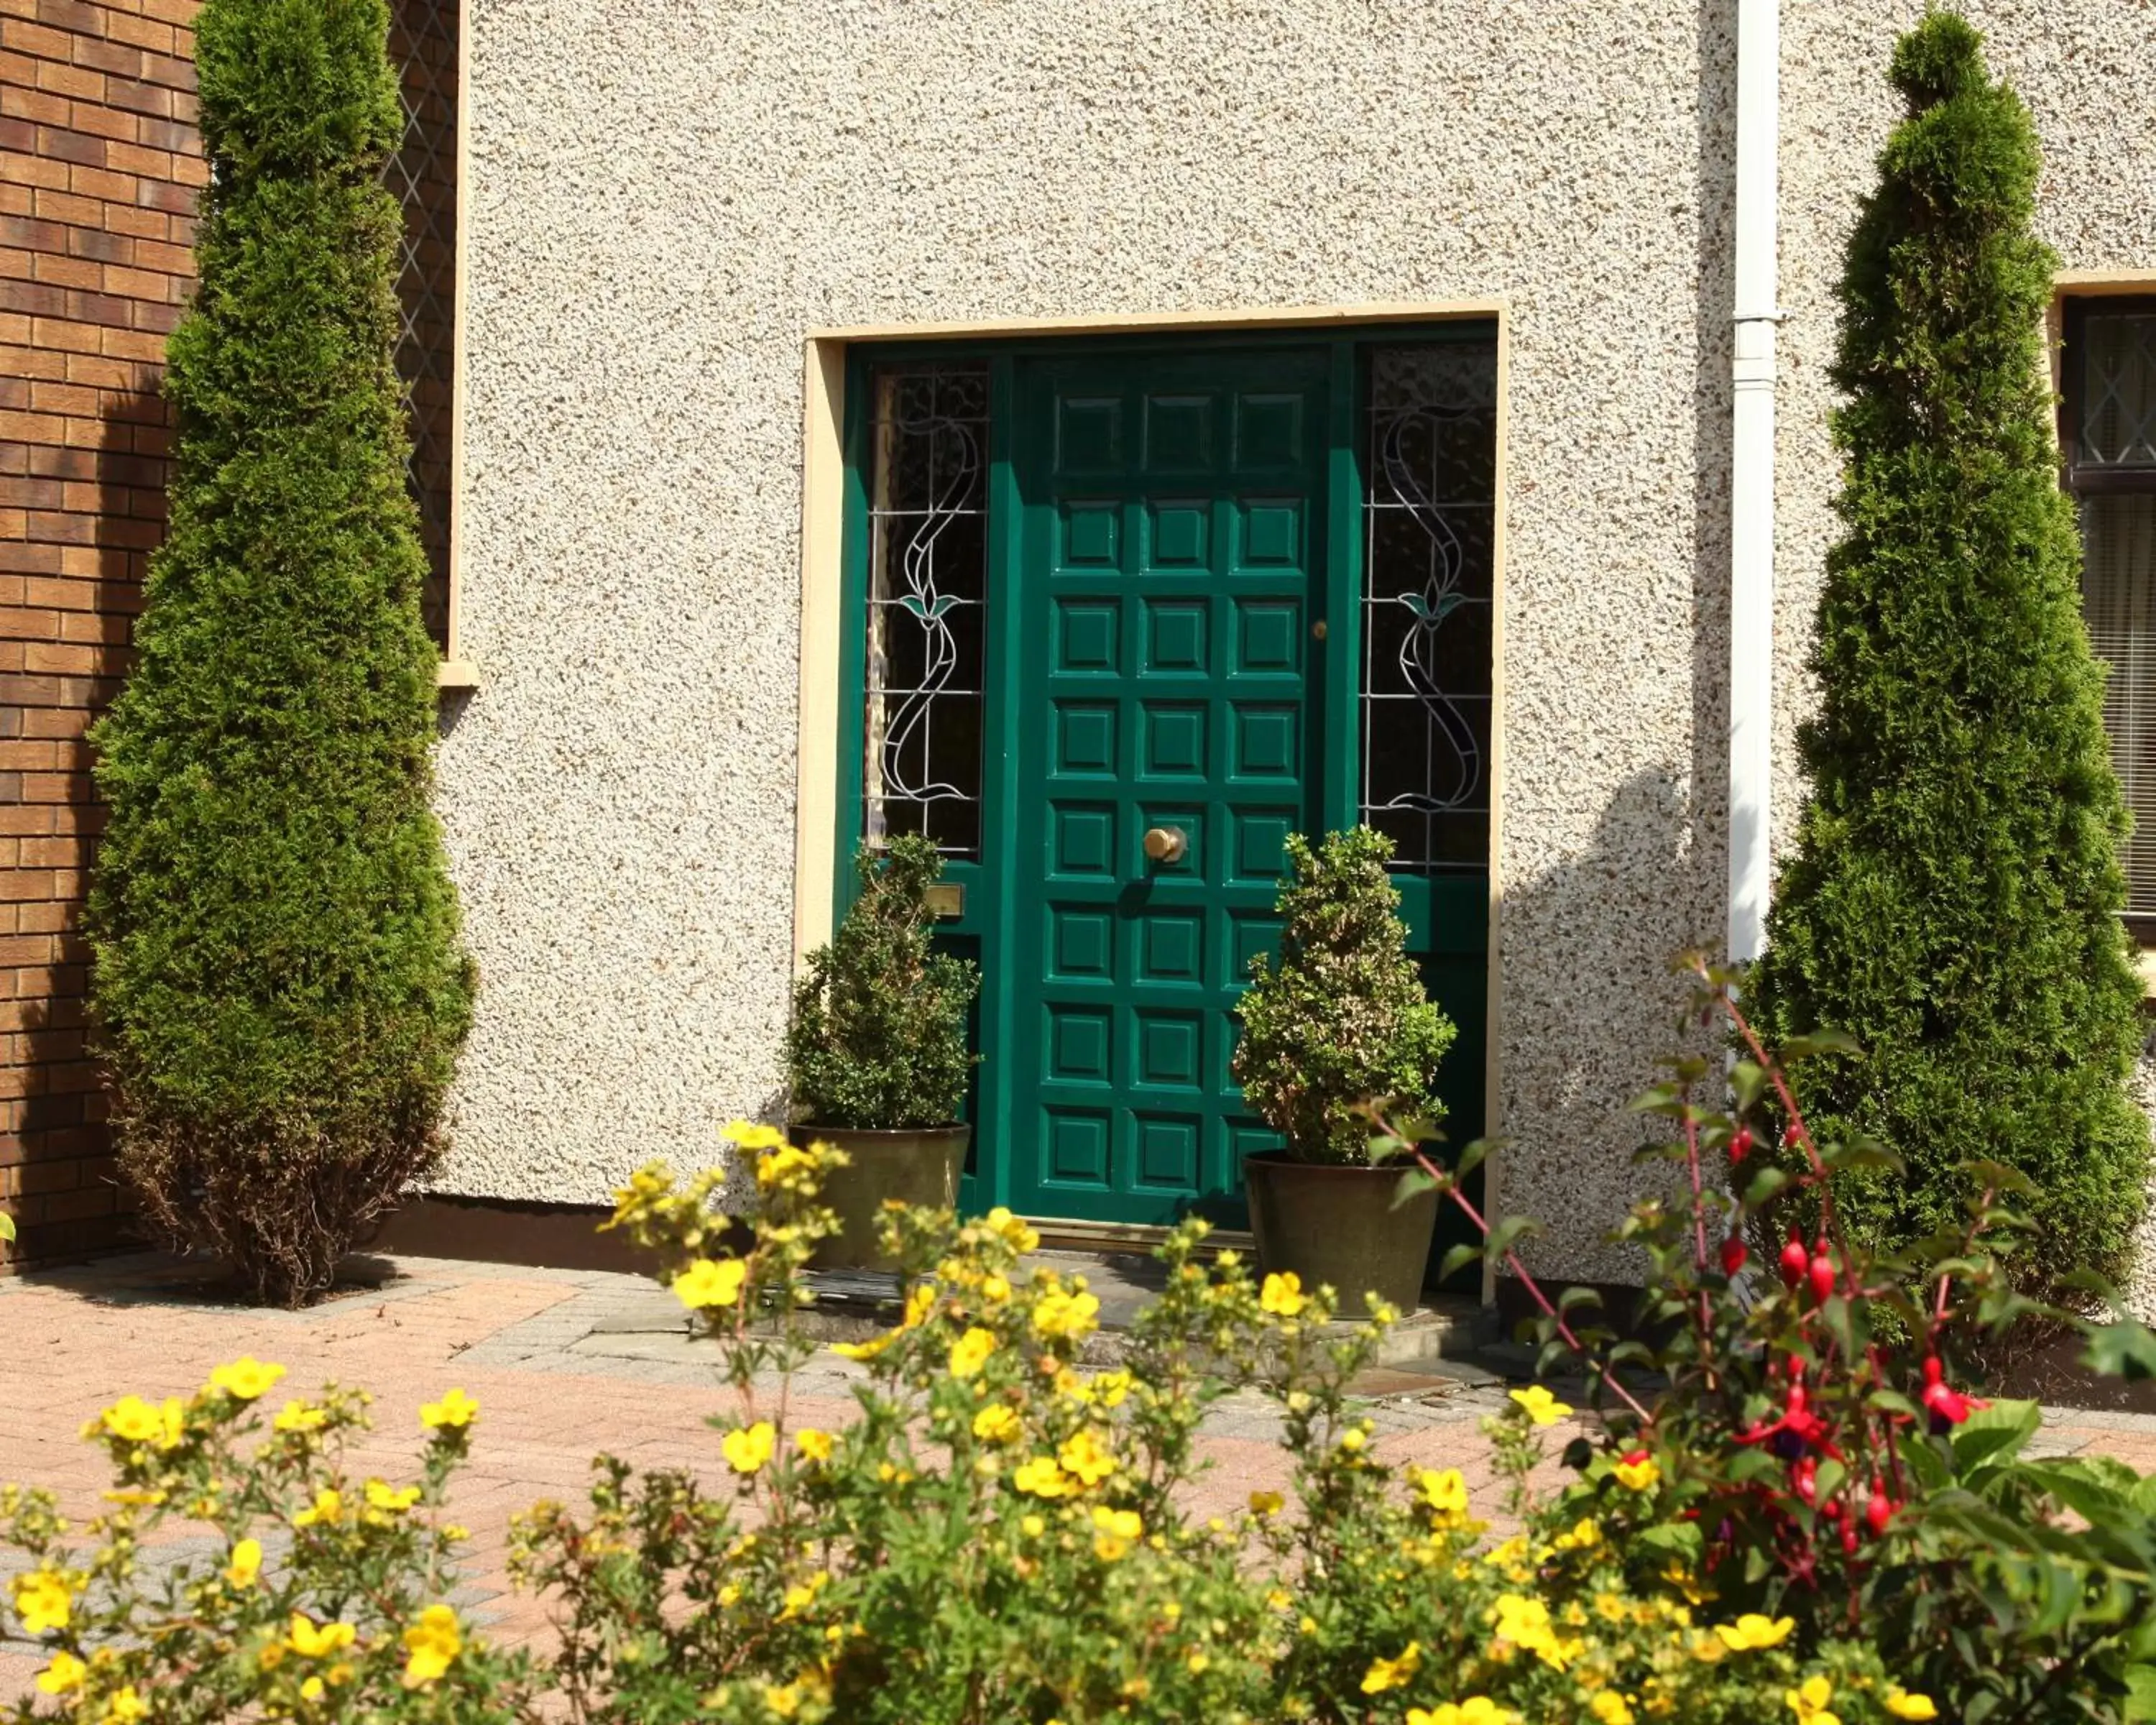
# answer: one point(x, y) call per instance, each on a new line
point(2077, 303)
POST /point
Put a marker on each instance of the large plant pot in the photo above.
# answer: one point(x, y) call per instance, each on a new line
point(913, 1168)
point(1336, 1225)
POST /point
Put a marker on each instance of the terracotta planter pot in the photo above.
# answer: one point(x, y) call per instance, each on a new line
point(913, 1166)
point(1336, 1224)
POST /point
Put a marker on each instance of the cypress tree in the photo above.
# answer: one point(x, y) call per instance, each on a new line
point(278, 983)
point(1953, 898)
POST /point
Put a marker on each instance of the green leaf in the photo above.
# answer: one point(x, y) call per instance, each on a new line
point(7, 1225)
point(1572, 1298)
point(2125, 1349)
point(1457, 1259)
point(1861, 1152)
point(1472, 1155)
point(1998, 1176)
point(1413, 1184)
point(2140, 1693)
point(1764, 1186)
point(1747, 1083)
point(1996, 1432)
point(1818, 1042)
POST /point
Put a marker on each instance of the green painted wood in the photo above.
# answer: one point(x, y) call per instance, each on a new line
point(1012, 891)
point(1173, 557)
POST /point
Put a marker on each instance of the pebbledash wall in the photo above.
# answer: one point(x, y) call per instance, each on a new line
point(665, 200)
point(661, 201)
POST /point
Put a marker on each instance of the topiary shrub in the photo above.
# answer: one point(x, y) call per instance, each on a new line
point(278, 983)
point(878, 1039)
point(1952, 899)
point(1340, 1020)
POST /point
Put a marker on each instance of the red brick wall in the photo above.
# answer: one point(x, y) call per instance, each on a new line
point(98, 165)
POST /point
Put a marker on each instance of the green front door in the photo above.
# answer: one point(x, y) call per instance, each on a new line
point(1169, 577)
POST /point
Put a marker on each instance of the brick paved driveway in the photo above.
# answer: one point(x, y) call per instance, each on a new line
point(564, 1365)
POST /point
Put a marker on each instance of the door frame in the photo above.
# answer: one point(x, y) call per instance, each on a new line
point(832, 570)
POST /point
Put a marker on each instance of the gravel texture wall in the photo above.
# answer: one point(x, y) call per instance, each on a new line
point(663, 199)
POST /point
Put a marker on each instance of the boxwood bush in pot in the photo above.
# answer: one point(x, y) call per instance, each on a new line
point(1338, 1021)
point(876, 1053)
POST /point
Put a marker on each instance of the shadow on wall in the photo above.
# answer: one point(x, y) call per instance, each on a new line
point(1644, 888)
point(72, 1202)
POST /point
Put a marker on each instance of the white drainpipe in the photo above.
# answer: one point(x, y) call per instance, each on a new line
point(1752, 478)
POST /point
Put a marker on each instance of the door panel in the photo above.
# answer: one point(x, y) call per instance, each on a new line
point(1172, 545)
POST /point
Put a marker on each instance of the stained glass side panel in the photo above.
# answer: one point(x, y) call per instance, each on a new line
point(422, 177)
point(928, 609)
point(1430, 467)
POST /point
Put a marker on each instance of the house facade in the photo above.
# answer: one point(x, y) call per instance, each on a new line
point(1108, 437)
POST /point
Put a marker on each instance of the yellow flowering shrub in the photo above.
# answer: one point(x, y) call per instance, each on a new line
point(298, 1591)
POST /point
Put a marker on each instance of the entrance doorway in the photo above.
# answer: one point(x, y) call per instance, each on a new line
point(1121, 616)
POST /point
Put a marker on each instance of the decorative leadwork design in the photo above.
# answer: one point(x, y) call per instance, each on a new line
point(2118, 391)
point(422, 177)
point(927, 605)
point(1429, 483)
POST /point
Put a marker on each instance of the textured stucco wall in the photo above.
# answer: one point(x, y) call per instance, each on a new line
point(664, 198)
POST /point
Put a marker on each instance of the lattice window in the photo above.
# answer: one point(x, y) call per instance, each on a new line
point(926, 604)
point(2110, 420)
point(1429, 482)
point(423, 174)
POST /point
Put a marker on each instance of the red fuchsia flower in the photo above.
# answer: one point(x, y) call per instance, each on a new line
point(1805, 1478)
point(1821, 1271)
point(1733, 1256)
point(1878, 1508)
point(1797, 1430)
point(1948, 1408)
point(1795, 1261)
point(1740, 1144)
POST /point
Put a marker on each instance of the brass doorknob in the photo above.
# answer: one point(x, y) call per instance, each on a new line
point(1166, 845)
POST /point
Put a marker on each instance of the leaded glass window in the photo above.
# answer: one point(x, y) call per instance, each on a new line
point(1429, 480)
point(2109, 421)
point(423, 176)
point(928, 609)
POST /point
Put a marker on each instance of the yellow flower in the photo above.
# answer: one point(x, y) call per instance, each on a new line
point(1611, 1708)
point(1061, 1314)
point(246, 1565)
point(784, 1699)
point(1752, 1630)
point(455, 1410)
point(865, 1350)
point(1197, 1663)
point(1083, 1456)
point(1282, 1295)
point(1392, 1673)
point(1900, 1702)
point(311, 1640)
point(125, 1707)
point(1585, 1534)
point(995, 1290)
point(1352, 1440)
point(748, 1447)
point(1044, 1478)
point(65, 1673)
point(245, 1378)
point(133, 1420)
point(1638, 1475)
point(1115, 1531)
point(1016, 1234)
point(429, 1646)
point(383, 1496)
point(783, 1165)
point(996, 1424)
point(1445, 1491)
point(1541, 1407)
point(314, 1689)
point(1476, 1710)
point(971, 1352)
point(815, 1445)
point(328, 1507)
point(1033, 1526)
point(1808, 1701)
point(1267, 1503)
point(43, 1599)
point(753, 1135)
point(297, 1415)
point(709, 1282)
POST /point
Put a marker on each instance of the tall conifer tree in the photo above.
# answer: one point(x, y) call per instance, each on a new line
point(278, 980)
point(1952, 899)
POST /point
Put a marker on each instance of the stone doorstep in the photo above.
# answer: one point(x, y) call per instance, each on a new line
point(1432, 1349)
